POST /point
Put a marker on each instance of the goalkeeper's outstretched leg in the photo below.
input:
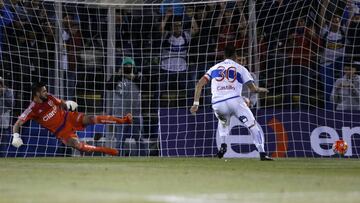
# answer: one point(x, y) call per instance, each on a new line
point(78, 121)
point(106, 119)
point(83, 147)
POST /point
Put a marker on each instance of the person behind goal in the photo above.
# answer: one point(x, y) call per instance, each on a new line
point(227, 79)
point(59, 117)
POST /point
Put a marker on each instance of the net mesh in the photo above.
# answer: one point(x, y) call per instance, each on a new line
point(145, 57)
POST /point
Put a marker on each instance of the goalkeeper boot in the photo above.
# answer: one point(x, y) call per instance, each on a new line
point(110, 151)
point(265, 157)
point(128, 118)
point(222, 150)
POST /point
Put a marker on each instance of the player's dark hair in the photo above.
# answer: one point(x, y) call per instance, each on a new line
point(35, 87)
point(241, 53)
point(2, 82)
point(229, 51)
point(177, 19)
point(348, 65)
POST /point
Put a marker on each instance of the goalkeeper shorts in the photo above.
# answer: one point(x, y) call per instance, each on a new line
point(73, 122)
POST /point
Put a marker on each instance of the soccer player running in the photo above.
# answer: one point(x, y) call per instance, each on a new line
point(227, 79)
point(59, 117)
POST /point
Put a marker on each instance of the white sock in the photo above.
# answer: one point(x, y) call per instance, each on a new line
point(258, 137)
point(223, 139)
point(223, 131)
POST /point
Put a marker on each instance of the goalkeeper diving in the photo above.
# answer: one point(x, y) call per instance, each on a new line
point(227, 79)
point(60, 118)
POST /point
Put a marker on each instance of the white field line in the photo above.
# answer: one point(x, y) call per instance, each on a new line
point(259, 197)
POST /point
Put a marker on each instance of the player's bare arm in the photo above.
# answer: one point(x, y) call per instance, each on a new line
point(199, 86)
point(247, 101)
point(17, 125)
point(256, 89)
point(63, 104)
point(17, 141)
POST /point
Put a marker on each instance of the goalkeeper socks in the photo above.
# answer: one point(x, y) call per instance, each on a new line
point(89, 148)
point(112, 120)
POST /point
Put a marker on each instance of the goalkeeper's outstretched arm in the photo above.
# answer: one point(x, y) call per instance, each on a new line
point(17, 141)
point(68, 105)
point(17, 125)
point(202, 82)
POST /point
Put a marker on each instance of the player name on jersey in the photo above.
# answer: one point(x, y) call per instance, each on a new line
point(226, 87)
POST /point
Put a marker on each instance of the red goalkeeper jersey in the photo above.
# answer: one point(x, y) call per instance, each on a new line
point(48, 114)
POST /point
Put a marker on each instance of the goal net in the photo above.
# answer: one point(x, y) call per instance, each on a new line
point(145, 58)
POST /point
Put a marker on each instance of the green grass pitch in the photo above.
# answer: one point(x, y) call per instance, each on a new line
point(173, 180)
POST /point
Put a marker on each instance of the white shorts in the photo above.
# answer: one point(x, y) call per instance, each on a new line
point(237, 107)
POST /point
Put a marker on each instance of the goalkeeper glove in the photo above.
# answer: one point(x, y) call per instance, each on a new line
point(17, 141)
point(71, 105)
